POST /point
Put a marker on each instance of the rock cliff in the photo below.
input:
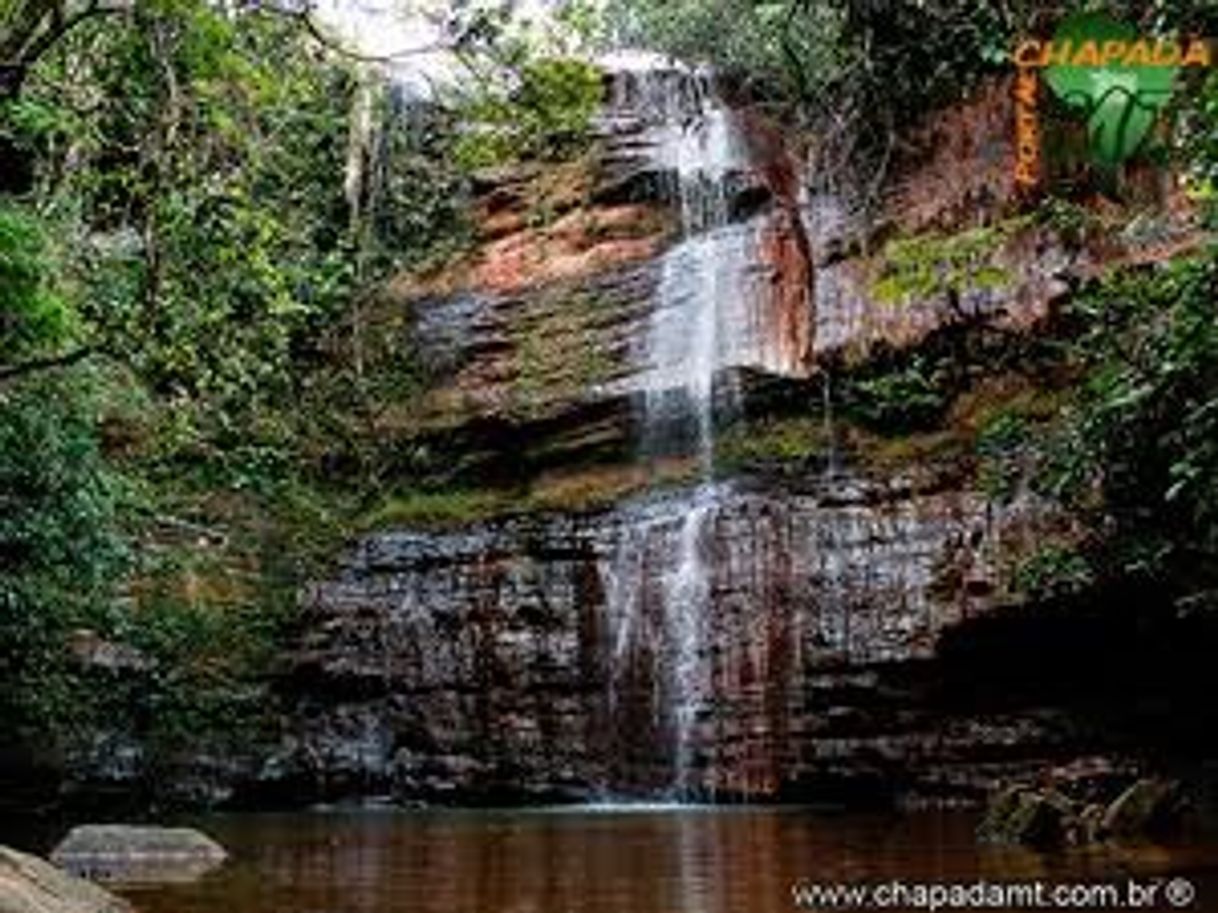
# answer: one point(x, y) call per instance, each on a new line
point(742, 636)
point(538, 658)
point(674, 564)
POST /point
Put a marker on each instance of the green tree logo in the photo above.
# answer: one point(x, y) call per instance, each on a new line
point(1121, 99)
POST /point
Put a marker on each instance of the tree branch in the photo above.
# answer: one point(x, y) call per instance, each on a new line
point(60, 26)
point(12, 372)
point(33, 46)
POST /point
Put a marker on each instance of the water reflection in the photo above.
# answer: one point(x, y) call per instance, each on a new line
point(646, 860)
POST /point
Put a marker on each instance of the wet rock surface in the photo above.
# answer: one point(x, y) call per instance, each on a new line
point(545, 331)
point(547, 327)
point(538, 657)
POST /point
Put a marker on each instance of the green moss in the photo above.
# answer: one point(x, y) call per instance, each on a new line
point(437, 509)
point(907, 449)
point(792, 440)
point(585, 489)
point(932, 264)
point(598, 487)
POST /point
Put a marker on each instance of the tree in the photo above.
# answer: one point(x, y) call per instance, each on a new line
point(29, 28)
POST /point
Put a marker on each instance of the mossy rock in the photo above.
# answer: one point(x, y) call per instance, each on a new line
point(1021, 815)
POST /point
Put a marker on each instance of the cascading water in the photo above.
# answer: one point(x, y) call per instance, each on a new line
point(686, 599)
point(704, 278)
point(658, 587)
point(704, 286)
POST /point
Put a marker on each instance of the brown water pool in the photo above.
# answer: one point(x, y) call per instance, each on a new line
point(630, 860)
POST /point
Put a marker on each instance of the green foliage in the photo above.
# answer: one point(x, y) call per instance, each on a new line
point(1145, 434)
point(79, 560)
point(909, 393)
point(545, 113)
point(189, 164)
point(1203, 148)
point(558, 97)
point(61, 552)
point(1054, 571)
point(419, 213)
point(207, 658)
point(33, 317)
point(791, 50)
point(778, 441)
point(1003, 447)
point(198, 176)
point(220, 270)
point(198, 163)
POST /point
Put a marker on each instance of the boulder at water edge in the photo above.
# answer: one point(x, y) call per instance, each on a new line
point(1045, 815)
point(144, 854)
point(31, 885)
point(1022, 815)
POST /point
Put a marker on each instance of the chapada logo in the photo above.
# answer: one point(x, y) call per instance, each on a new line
point(1116, 79)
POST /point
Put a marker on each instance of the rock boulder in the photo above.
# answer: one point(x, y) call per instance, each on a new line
point(127, 853)
point(31, 885)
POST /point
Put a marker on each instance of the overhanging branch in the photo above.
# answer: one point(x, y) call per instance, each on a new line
point(12, 372)
point(37, 34)
point(60, 26)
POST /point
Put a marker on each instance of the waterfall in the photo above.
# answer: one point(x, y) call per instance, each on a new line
point(703, 278)
point(702, 299)
point(657, 584)
point(686, 600)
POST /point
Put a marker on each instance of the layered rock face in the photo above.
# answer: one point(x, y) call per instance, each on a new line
point(541, 658)
point(588, 284)
point(547, 334)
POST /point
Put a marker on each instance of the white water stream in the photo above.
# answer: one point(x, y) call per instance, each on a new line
point(702, 300)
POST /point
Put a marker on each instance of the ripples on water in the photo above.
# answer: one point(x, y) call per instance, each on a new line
point(611, 859)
